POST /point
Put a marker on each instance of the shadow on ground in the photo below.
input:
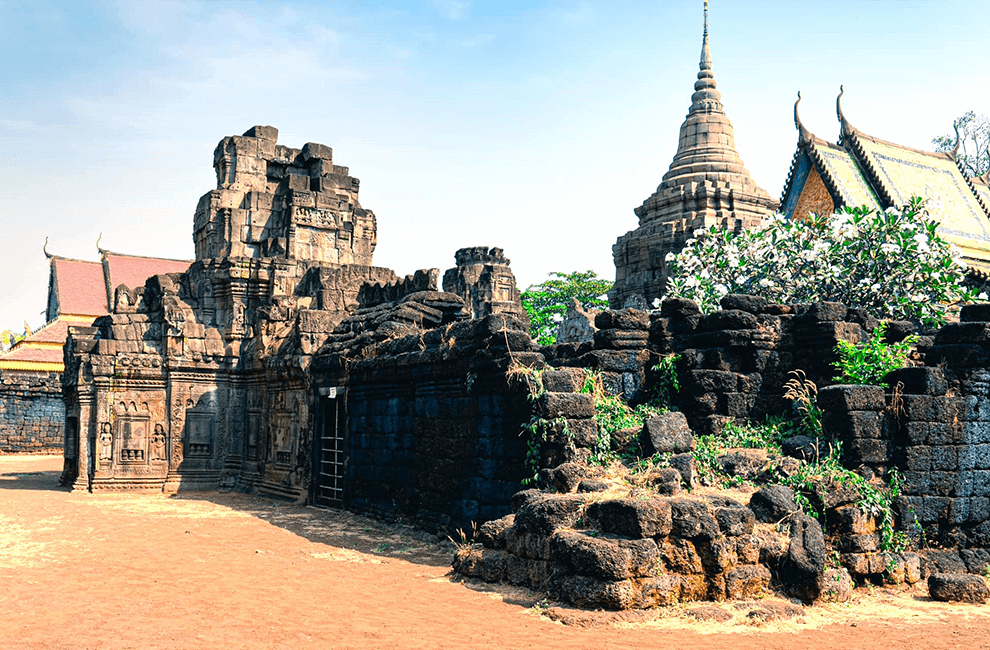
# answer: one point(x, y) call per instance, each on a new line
point(338, 528)
point(40, 480)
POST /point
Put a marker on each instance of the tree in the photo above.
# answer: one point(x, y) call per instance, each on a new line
point(546, 303)
point(891, 262)
point(974, 143)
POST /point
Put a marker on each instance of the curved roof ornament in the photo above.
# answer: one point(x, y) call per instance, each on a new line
point(98, 240)
point(846, 127)
point(45, 249)
point(804, 135)
point(955, 148)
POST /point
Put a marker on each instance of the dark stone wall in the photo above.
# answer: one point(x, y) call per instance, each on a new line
point(32, 412)
point(433, 428)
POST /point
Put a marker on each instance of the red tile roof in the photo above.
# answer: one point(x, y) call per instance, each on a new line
point(81, 289)
point(134, 271)
point(45, 355)
point(55, 332)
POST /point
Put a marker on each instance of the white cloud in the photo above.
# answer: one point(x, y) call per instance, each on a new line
point(453, 9)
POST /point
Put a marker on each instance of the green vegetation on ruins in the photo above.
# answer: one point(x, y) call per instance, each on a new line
point(546, 303)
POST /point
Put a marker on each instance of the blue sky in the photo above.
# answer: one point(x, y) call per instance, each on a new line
point(535, 127)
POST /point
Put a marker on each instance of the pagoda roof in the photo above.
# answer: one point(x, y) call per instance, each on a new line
point(79, 286)
point(133, 270)
point(863, 170)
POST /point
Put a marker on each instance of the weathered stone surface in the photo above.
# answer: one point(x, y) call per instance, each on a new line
point(681, 556)
point(846, 397)
point(904, 568)
point(533, 546)
point(686, 466)
point(666, 481)
point(594, 485)
point(692, 519)
point(634, 518)
point(593, 593)
point(802, 447)
point(679, 307)
point(743, 463)
point(735, 521)
point(604, 557)
point(32, 413)
point(805, 559)
point(578, 325)
point(623, 319)
point(770, 611)
point(920, 381)
point(484, 563)
point(742, 302)
point(773, 503)
point(549, 512)
point(564, 380)
point(747, 581)
point(962, 588)
point(565, 478)
point(669, 433)
point(491, 534)
point(567, 405)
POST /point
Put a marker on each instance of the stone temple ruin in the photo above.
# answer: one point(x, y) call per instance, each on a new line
point(283, 363)
point(220, 376)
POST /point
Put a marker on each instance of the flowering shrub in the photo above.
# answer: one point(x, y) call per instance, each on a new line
point(890, 262)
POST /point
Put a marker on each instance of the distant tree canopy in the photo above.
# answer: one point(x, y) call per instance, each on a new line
point(974, 143)
point(546, 303)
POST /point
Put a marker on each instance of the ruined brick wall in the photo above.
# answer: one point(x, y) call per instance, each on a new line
point(32, 413)
point(933, 426)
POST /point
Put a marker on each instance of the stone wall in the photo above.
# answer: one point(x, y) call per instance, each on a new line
point(32, 413)
point(434, 433)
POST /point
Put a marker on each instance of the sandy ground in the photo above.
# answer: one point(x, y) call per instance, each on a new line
point(230, 571)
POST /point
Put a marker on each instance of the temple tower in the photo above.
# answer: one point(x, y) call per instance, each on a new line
point(707, 184)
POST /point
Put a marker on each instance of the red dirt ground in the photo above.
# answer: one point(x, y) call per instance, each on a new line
point(222, 570)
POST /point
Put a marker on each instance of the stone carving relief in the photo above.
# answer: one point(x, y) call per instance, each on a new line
point(158, 444)
point(132, 435)
point(106, 443)
point(200, 419)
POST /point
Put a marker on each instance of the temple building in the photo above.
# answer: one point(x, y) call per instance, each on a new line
point(80, 291)
point(706, 185)
point(282, 361)
point(32, 412)
point(861, 170)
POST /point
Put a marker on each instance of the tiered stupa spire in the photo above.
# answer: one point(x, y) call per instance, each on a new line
point(706, 184)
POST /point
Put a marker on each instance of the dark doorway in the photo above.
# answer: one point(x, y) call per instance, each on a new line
point(330, 456)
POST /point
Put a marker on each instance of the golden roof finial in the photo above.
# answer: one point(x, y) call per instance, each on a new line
point(803, 134)
point(845, 127)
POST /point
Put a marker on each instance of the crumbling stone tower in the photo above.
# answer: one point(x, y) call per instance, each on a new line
point(483, 279)
point(707, 184)
point(276, 201)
